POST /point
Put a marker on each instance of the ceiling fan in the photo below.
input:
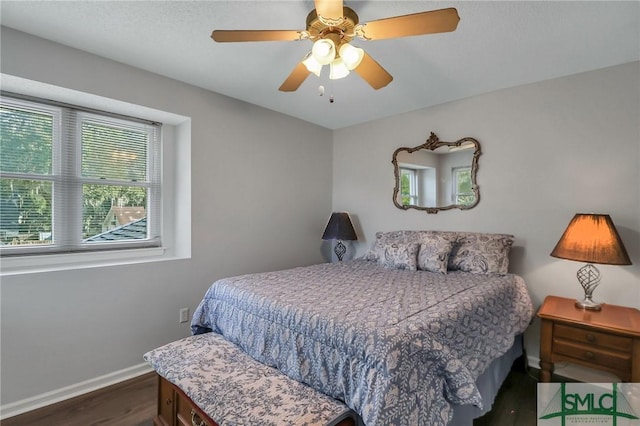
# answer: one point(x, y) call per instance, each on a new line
point(331, 26)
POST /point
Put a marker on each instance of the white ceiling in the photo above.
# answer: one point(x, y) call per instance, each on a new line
point(496, 45)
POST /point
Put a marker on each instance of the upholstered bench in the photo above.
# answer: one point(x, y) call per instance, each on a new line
point(204, 380)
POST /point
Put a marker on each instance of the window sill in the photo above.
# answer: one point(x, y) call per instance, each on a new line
point(61, 262)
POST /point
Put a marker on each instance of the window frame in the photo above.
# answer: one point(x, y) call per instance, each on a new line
point(152, 184)
point(413, 185)
point(175, 162)
point(455, 181)
point(67, 179)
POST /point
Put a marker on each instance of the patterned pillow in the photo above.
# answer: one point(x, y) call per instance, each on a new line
point(433, 255)
point(384, 239)
point(481, 253)
point(399, 256)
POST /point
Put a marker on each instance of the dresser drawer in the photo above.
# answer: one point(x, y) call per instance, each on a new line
point(611, 360)
point(589, 337)
point(188, 415)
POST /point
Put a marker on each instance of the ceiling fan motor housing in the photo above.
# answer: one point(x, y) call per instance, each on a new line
point(342, 30)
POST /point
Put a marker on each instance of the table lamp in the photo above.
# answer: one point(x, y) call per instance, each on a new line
point(591, 238)
point(341, 229)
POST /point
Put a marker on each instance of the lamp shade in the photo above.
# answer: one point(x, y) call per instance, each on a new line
point(312, 64)
point(338, 69)
point(339, 227)
point(324, 51)
point(351, 55)
point(592, 238)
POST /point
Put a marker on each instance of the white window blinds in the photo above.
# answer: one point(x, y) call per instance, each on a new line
point(74, 180)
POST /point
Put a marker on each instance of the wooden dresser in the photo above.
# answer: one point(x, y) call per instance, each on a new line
point(607, 340)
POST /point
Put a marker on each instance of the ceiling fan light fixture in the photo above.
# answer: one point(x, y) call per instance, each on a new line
point(312, 64)
point(351, 55)
point(324, 51)
point(338, 69)
point(331, 26)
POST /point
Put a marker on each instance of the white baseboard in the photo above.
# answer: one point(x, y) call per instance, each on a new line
point(533, 361)
point(48, 398)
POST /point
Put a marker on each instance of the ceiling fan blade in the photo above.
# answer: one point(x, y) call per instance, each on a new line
point(431, 22)
point(255, 35)
point(373, 73)
point(329, 8)
point(295, 79)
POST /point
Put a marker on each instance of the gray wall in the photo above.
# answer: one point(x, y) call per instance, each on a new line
point(62, 328)
point(550, 150)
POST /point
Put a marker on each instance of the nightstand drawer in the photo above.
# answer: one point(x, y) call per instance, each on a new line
point(593, 355)
point(589, 337)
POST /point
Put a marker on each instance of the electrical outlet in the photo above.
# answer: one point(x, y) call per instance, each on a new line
point(184, 314)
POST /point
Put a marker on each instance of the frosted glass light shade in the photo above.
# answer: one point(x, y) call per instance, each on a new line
point(324, 51)
point(312, 64)
point(351, 55)
point(338, 69)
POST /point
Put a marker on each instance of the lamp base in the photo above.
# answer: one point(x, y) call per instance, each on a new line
point(339, 250)
point(588, 305)
point(589, 278)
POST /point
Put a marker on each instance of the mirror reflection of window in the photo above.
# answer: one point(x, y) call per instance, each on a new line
point(462, 188)
point(409, 187)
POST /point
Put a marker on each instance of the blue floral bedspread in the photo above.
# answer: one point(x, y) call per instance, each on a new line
point(398, 347)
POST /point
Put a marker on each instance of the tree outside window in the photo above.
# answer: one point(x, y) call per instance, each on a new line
point(462, 188)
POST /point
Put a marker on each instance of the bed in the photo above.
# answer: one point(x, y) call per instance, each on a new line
point(406, 335)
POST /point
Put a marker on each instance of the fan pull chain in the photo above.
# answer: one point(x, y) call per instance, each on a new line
point(321, 93)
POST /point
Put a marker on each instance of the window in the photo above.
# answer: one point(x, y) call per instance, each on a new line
point(76, 180)
point(408, 186)
point(462, 189)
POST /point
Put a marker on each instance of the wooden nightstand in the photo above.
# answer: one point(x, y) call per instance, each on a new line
point(608, 340)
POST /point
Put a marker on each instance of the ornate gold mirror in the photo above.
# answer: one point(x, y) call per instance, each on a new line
point(437, 175)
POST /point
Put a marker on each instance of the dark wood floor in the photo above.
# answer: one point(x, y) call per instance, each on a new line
point(133, 403)
point(130, 403)
point(516, 403)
